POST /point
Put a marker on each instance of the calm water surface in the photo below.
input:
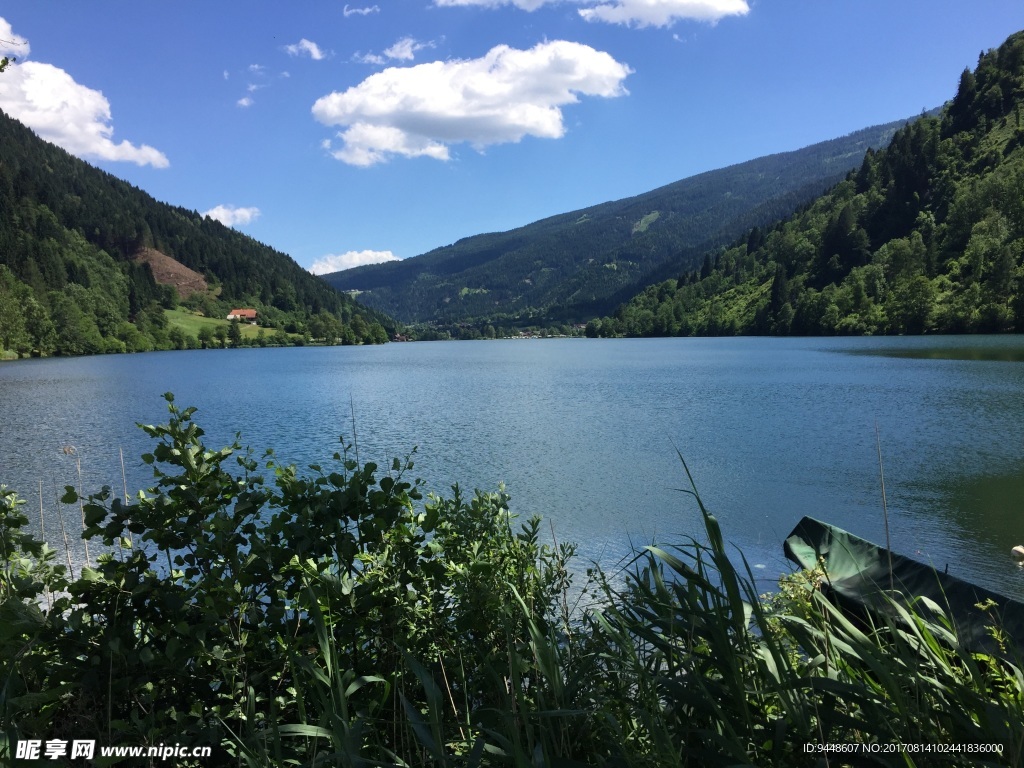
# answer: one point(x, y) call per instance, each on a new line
point(585, 432)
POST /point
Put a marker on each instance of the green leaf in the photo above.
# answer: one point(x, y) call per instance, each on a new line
point(91, 574)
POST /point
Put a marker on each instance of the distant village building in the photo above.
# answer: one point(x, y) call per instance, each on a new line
point(248, 315)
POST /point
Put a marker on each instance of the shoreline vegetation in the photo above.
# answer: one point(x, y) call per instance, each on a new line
point(176, 327)
point(190, 330)
point(336, 616)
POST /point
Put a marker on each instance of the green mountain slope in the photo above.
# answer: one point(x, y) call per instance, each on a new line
point(579, 264)
point(69, 283)
point(927, 236)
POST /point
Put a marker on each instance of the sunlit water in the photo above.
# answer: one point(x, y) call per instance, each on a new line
point(586, 432)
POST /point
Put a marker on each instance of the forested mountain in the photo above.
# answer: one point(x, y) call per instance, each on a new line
point(927, 236)
point(576, 265)
point(70, 282)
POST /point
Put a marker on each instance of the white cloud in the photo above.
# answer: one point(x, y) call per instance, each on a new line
point(12, 44)
point(335, 262)
point(663, 13)
point(633, 13)
point(257, 68)
point(526, 5)
point(306, 48)
point(245, 101)
point(49, 101)
point(367, 144)
point(406, 49)
point(502, 97)
point(403, 50)
point(360, 11)
point(370, 58)
point(230, 216)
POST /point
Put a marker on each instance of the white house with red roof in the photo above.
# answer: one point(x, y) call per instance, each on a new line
point(248, 315)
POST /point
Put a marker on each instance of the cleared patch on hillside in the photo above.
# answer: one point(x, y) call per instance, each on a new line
point(646, 221)
point(169, 271)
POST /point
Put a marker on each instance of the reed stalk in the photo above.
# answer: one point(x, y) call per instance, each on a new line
point(63, 530)
point(124, 486)
point(885, 506)
point(81, 504)
point(42, 537)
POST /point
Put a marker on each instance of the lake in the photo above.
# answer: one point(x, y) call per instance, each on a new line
point(585, 432)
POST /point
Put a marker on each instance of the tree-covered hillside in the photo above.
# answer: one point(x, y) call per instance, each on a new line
point(69, 283)
point(576, 265)
point(927, 236)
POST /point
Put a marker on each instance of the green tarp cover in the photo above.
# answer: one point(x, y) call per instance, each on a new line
point(858, 577)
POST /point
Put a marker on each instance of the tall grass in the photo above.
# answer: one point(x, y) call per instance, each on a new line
point(339, 619)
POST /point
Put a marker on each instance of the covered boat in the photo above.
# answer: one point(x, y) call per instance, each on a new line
point(859, 580)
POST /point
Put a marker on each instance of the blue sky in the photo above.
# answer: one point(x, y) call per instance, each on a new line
point(339, 133)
